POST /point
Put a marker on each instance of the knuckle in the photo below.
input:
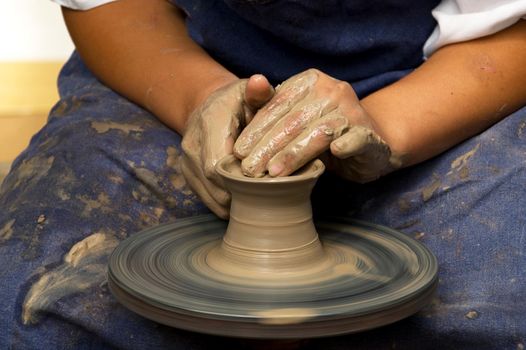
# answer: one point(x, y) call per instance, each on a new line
point(313, 71)
point(326, 131)
point(209, 170)
point(343, 85)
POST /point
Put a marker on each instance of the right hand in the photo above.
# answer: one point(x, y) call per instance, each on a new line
point(312, 113)
point(211, 131)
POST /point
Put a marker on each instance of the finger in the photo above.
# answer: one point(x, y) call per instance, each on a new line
point(258, 91)
point(194, 181)
point(308, 145)
point(282, 133)
point(287, 96)
point(218, 193)
point(192, 160)
point(364, 155)
point(357, 141)
point(220, 124)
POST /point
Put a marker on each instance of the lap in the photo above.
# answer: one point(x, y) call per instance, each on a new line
point(468, 205)
point(103, 168)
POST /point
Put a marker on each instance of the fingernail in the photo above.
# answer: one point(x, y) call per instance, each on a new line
point(256, 77)
point(336, 146)
point(275, 169)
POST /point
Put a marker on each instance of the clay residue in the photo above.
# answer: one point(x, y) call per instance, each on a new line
point(84, 266)
point(104, 127)
point(472, 315)
point(67, 180)
point(285, 316)
point(403, 205)
point(462, 160)
point(60, 108)
point(427, 192)
point(150, 187)
point(407, 224)
point(463, 173)
point(520, 130)
point(158, 212)
point(448, 236)
point(41, 219)
point(63, 195)
point(7, 231)
point(101, 203)
point(84, 247)
point(33, 169)
point(188, 203)
point(141, 194)
point(116, 179)
point(419, 235)
point(178, 181)
point(174, 161)
point(124, 217)
point(69, 106)
point(148, 178)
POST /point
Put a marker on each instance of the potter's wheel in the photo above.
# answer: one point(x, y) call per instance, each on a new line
point(369, 276)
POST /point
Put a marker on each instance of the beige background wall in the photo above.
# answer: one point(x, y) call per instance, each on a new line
point(32, 30)
point(34, 44)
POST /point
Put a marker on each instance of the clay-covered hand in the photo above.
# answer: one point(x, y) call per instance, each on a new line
point(311, 113)
point(211, 131)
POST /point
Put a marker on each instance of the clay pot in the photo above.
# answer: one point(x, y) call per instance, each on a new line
point(271, 228)
point(269, 276)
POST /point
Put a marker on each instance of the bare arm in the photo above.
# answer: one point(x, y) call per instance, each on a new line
point(140, 49)
point(460, 91)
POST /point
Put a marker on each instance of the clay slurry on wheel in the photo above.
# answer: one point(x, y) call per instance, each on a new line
point(251, 282)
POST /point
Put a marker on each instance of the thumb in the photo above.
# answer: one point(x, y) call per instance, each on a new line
point(356, 141)
point(258, 91)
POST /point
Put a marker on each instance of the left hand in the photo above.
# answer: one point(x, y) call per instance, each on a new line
point(210, 134)
point(310, 113)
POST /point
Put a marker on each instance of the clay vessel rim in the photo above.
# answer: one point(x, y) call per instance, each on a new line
point(309, 171)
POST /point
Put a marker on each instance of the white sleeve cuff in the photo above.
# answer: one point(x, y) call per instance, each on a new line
point(462, 20)
point(81, 4)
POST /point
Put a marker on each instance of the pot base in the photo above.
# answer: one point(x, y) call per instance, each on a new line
point(367, 276)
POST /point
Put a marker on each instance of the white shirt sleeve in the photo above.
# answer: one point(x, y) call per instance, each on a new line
point(81, 4)
point(462, 20)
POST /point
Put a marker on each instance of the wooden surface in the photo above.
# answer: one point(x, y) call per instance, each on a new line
point(27, 92)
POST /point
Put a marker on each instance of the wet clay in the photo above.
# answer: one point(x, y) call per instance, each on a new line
point(271, 229)
point(310, 114)
point(267, 274)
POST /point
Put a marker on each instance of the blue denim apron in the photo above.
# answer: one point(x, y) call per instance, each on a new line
point(103, 168)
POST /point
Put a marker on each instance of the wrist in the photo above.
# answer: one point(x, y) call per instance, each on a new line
point(173, 101)
point(213, 83)
point(394, 131)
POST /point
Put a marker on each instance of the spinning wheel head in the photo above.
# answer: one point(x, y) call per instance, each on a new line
point(268, 275)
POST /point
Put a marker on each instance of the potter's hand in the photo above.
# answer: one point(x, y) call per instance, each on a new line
point(310, 113)
point(210, 134)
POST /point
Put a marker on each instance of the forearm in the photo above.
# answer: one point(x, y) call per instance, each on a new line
point(140, 48)
point(460, 91)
